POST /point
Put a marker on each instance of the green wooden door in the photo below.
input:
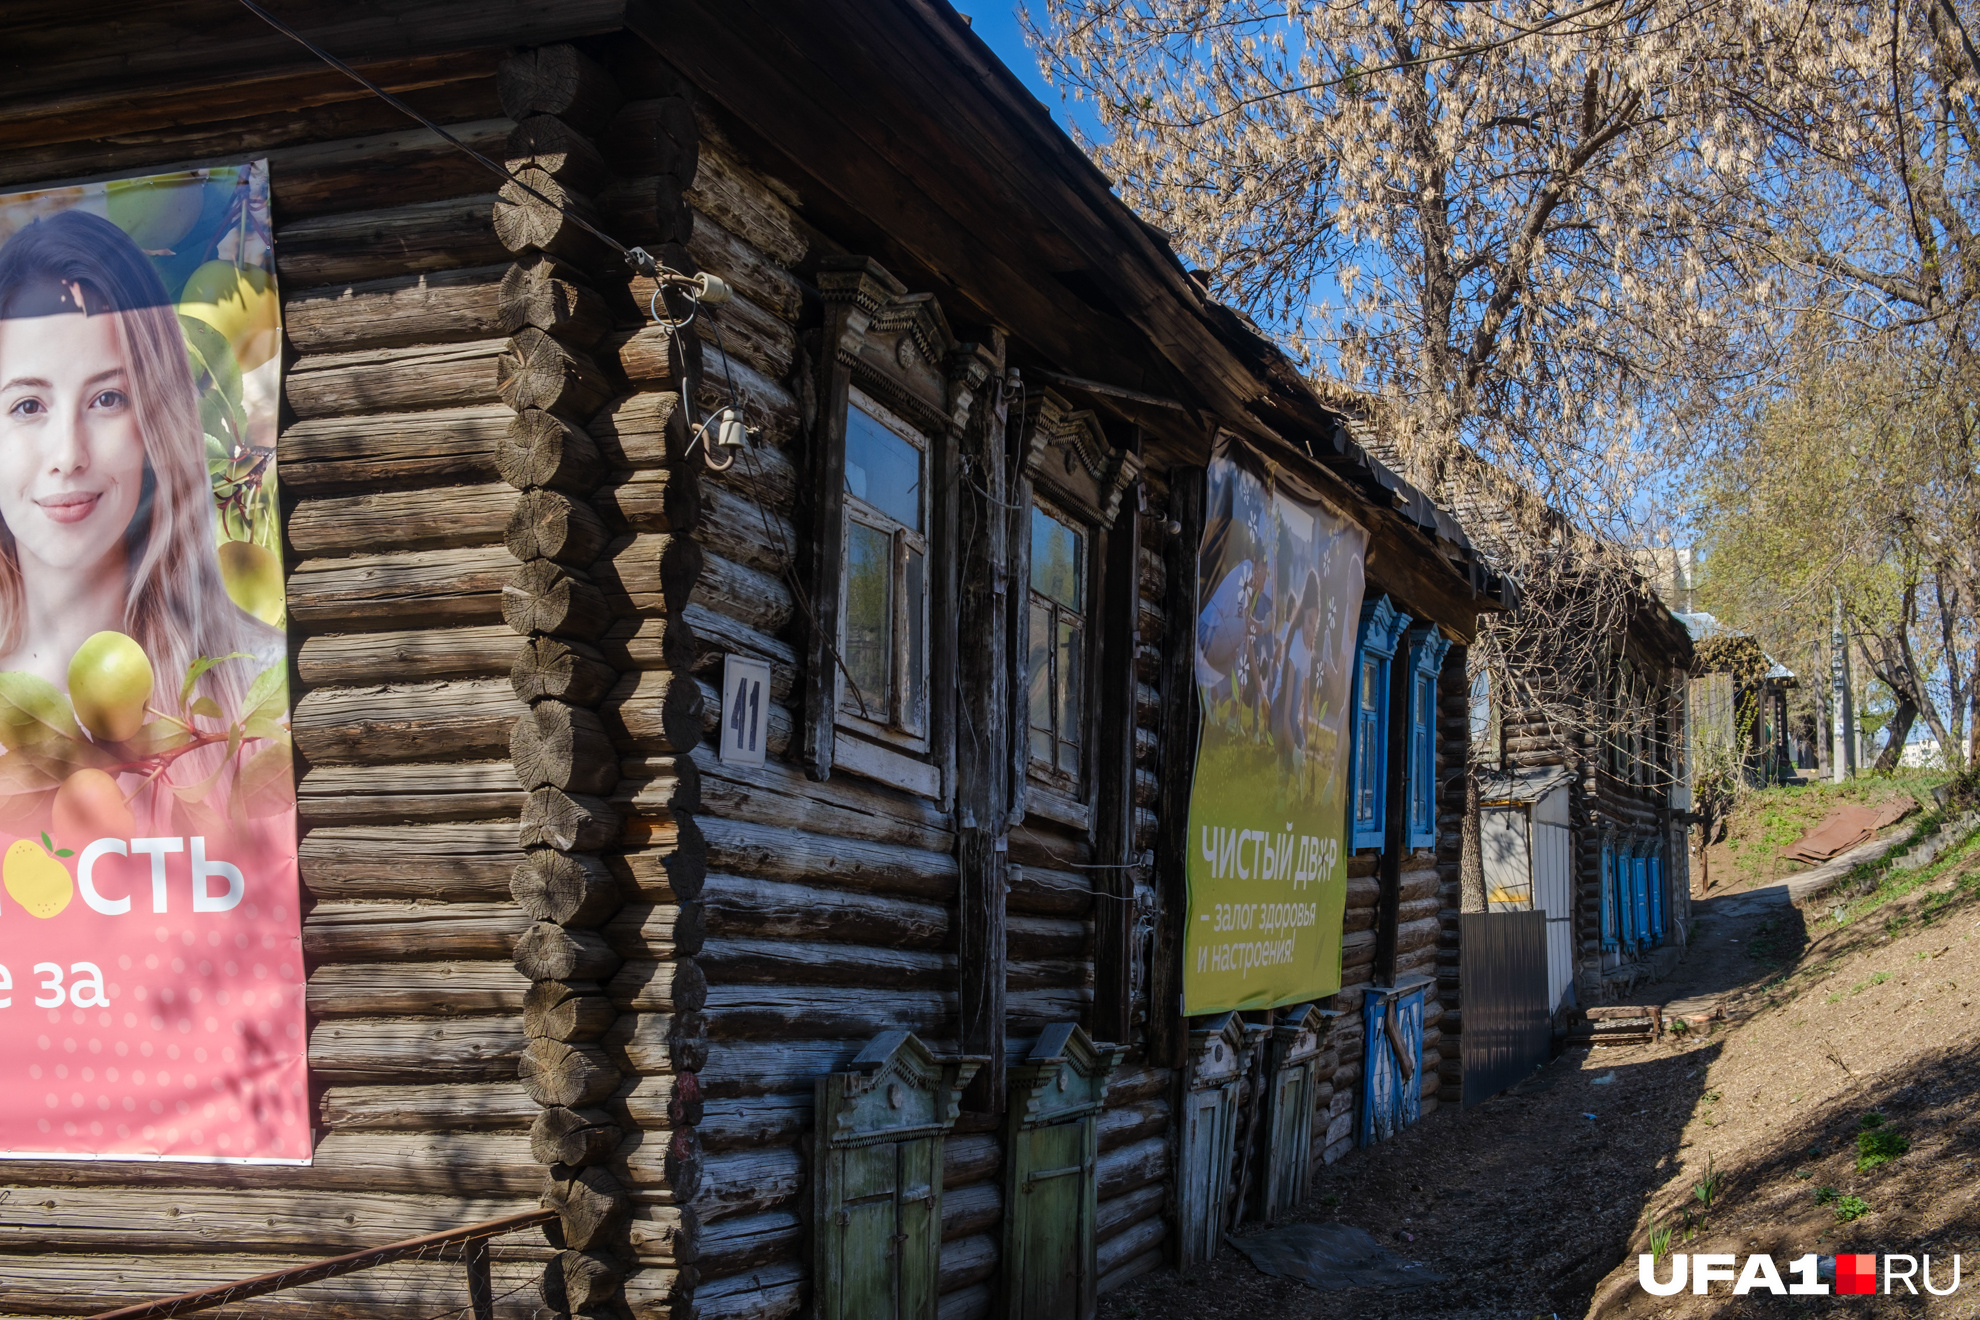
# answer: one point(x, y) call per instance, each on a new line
point(868, 1223)
point(918, 1228)
point(1053, 1189)
point(1292, 1140)
point(1206, 1160)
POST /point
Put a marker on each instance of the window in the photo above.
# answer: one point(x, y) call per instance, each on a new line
point(1609, 905)
point(1619, 883)
point(1056, 670)
point(1381, 628)
point(1639, 888)
point(1427, 647)
point(1484, 720)
point(1656, 899)
point(883, 617)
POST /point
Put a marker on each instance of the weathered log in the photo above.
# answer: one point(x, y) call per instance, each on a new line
point(401, 240)
point(739, 529)
point(429, 1107)
point(660, 1100)
point(1138, 1165)
point(544, 597)
point(656, 136)
point(770, 909)
point(745, 332)
point(540, 371)
point(654, 711)
point(756, 1120)
point(567, 889)
point(1131, 1085)
point(649, 210)
point(747, 1182)
point(548, 145)
point(547, 524)
point(1034, 938)
point(796, 962)
point(553, 297)
point(574, 822)
point(767, 407)
point(557, 80)
point(755, 1068)
point(1121, 1124)
point(332, 795)
point(414, 722)
point(548, 952)
point(844, 806)
point(446, 989)
point(662, 985)
point(563, 746)
point(542, 449)
point(664, 1234)
point(566, 1010)
point(368, 453)
point(535, 214)
point(645, 356)
point(1040, 891)
point(753, 272)
point(756, 599)
point(716, 634)
point(454, 1164)
point(365, 592)
point(658, 1042)
point(742, 1243)
point(402, 519)
point(451, 862)
point(657, 930)
point(649, 500)
point(574, 1136)
point(556, 1073)
point(653, 572)
point(973, 1209)
point(590, 1203)
point(759, 1012)
point(404, 932)
point(386, 380)
point(557, 669)
point(739, 198)
point(763, 475)
point(432, 308)
point(398, 657)
point(340, 172)
point(471, 1049)
point(1130, 1245)
point(139, 1219)
point(775, 1292)
point(403, 1290)
point(1121, 1212)
point(578, 1281)
point(646, 430)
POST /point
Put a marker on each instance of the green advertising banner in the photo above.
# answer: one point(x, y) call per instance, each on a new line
point(1279, 578)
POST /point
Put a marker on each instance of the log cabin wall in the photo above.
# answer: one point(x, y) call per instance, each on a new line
point(397, 516)
point(1453, 768)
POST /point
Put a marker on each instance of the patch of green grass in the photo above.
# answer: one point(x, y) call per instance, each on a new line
point(1875, 1146)
point(1851, 1208)
point(1804, 1174)
point(1826, 1195)
point(1861, 986)
point(1660, 1238)
point(1708, 1188)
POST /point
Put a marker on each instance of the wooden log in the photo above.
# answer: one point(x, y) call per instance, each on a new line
point(567, 889)
point(574, 1136)
point(388, 380)
point(452, 1164)
point(653, 573)
point(578, 1281)
point(657, 930)
point(804, 962)
point(654, 711)
point(575, 1076)
point(746, 1242)
point(542, 449)
point(755, 1068)
point(654, 136)
point(397, 657)
point(659, 1100)
point(642, 430)
point(552, 296)
point(659, 985)
point(557, 80)
point(544, 597)
point(1130, 1244)
point(414, 722)
point(772, 909)
point(447, 862)
point(775, 1292)
point(339, 172)
point(193, 1219)
point(445, 445)
point(651, 210)
point(428, 1107)
point(972, 1303)
point(759, 1012)
point(739, 529)
point(401, 240)
point(739, 199)
point(967, 1210)
point(968, 1159)
point(541, 371)
point(404, 1290)
point(547, 952)
point(402, 519)
point(767, 407)
point(1122, 1125)
point(757, 1120)
point(536, 214)
point(658, 1042)
point(573, 822)
point(557, 669)
point(399, 310)
point(763, 475)
point(1131, 1085)
point(649, 500)
point(1417, 935)
point(845, 807)
point(471, 1049)
point(968, 1261)
point(335, 795)
point(748, 1182)
point(1039, 891)
point(1133, 1166)
point(1123, 1212)
point(590, 1203)
point(366, 592)
point(1032, 938)
point(644, 356)
point(718, 633)
point(405, 932)
point(748, 268)
point(445, 989)
point(547, 524)
point(664, 1234)
point(564, 746)
point(548, 145)
point(566, 1010)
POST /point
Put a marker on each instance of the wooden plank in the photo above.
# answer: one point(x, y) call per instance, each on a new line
point(402, 519)
point(394, 241)
point(378, 591)
point(449, 1163)
point(366, 453)
point(205, 1220)
point(406, 656)
point(436, 989)
point(447, 862)
point(410, 932)
point(332, 795)
point(469, 1048)
point(429, 1107)
point(462, 718)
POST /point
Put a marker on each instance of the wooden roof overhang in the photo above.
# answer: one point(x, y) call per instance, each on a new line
point(919, 141)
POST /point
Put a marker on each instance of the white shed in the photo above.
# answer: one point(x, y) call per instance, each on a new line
point(1526, 843)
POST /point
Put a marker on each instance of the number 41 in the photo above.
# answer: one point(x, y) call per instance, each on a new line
point(743, 684)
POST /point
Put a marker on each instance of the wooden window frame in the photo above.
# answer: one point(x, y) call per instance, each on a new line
point(1073, 783)
point(902, 726)
point(1427, 647)
point(1382, 627)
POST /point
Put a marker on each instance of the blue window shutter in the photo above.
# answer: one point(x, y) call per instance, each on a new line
point(1381, 629)
point(1619, 877)
point(1638, 883)
point(1608, 876)
point(1427, 647)
point(1656, 899)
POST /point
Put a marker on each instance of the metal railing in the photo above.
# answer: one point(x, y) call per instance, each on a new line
point(469, 1246)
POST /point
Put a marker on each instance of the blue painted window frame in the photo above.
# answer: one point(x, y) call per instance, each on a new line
point(1640, 896)
point(1619, 878)
point(1427, 647)
point(1656, 899)
point(1382, 626)
point(1608, 875)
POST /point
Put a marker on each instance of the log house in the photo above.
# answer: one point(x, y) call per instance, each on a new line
point(559, 949)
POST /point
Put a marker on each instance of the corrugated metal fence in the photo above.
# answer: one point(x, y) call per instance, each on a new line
point(1507, 1025)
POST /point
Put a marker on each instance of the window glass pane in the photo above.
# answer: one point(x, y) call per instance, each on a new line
point(869, 617)
point(914, 700)
point(1057, 560)
point(1039, 687)
point(1067, 678)
point(883, 469)
point(1368, 685)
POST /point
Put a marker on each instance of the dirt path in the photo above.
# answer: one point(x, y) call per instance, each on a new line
point(1528, 1203)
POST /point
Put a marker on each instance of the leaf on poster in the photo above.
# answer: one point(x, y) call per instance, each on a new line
point(33, 710)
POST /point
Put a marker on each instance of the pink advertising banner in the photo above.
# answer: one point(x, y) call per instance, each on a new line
point(151, 979)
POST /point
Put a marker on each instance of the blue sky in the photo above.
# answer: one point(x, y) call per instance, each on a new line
point(996, 22)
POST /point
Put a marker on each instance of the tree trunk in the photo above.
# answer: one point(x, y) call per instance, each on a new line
point(1471, 860)
point(1900, 729)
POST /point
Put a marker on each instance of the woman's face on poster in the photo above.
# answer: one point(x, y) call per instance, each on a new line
point(71, 455)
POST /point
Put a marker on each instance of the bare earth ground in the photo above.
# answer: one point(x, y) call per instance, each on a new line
point(1533, 1208)
point(1765, 823)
